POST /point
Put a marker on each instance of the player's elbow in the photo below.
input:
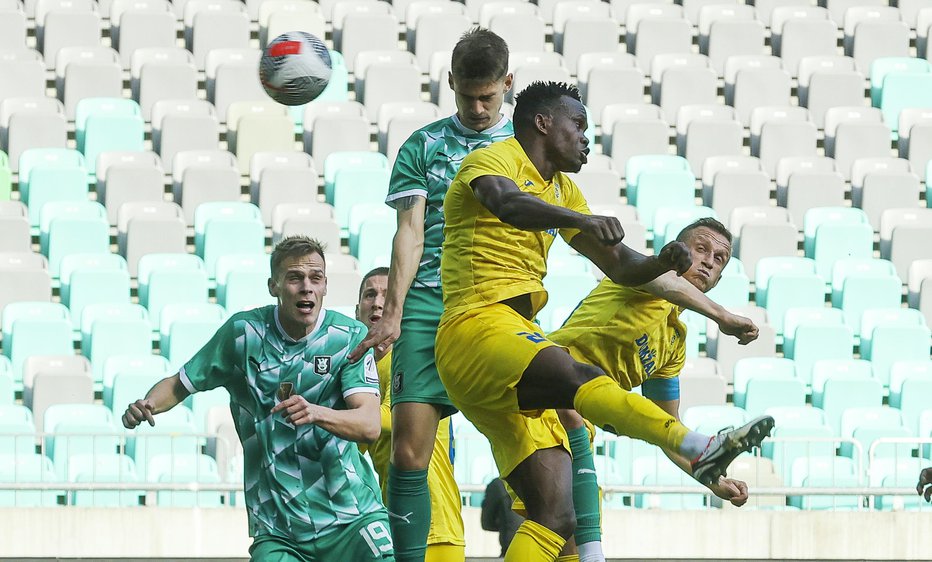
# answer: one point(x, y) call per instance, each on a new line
point(370, 429)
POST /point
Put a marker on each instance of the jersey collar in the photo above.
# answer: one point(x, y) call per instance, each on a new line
point(502, 122)
point(281, 330)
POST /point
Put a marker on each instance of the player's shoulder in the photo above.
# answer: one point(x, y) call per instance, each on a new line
point(338, 321)
point(261, 315)
point(430, 133)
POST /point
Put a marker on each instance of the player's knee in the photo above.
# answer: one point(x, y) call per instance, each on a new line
point(562, 522)
point(408, 454)
point(583, 373)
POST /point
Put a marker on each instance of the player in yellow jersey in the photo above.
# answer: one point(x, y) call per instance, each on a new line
point(505, 207)
point(445, 539)
point(637, 338)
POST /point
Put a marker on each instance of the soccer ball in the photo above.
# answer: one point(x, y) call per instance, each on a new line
point(295, 68)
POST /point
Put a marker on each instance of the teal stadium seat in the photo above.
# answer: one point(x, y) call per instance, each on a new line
point(72, 228)
point(6, 177)
point(171, 279)
point(108, 125)
point(91, 107)
point(786, 291)
point(79, 429)
point(37, 336)
point(874, 317)
point(865, 425)
point(225, 228)
point(778, 265)
point(749, 368)
point(669, 221)
point(815, 342)
point(73, 262)
point(7, 388)
point(910, 388)
point(862, 293)
point(131, 365)
point(792, 442)
point(640, 163)
point(564, 290)
point(711, 419)
point(362, 212)
point(104, 468)
point(663, 189)
point(28, 468)
point(185, 328)
point(349, 160)
point(375, 242)
point(58, 183)
point(817, 216)
point(242, 281)
point(197, 468)
point(173, 434)
point(127, 388)
point(45, 158)
point(17, 430)
point(884, 66)
point(357, 185)
point(826, 369)
point(897, 472)
point(840, 394)
point(902, 90)
point(733, 289)
point(862, 267)
point(766, 392)
point(796, 317)
point(109, 330)
point(837, 241)
point(825, 471)
point(892, 343)
point(201, 403)
point(663, 472)
point(96, 285)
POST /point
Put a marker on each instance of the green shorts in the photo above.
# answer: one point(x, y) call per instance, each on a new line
point(366, 540)
point(414, 372)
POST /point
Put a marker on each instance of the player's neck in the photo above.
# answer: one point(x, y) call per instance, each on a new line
point(538, 156)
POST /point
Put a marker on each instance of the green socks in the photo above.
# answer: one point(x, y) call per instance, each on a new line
point(585, 488)
point(409, 504)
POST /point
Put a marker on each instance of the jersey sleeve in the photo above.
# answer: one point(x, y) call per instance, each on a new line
point(486, 162)
point(409, 178)
point(664, 385)
point(216, 363)
point(575, 201)
point(361, 376)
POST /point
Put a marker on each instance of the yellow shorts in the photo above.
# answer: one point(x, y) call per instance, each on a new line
point(481, 355)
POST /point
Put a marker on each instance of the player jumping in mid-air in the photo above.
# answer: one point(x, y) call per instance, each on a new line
point(445, 541)
point(505, 206)
point(637, 338)
point(299, 408)
point(426, 164)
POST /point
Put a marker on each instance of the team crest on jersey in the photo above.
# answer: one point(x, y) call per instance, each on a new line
point(528, 183)
point(556, 190)
point(398, 382)
point(321, 364)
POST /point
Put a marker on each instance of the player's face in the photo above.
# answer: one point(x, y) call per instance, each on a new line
point(711, 252)
point(299, 285)
point(568, 147)
point(479, 103)
point(371, 300)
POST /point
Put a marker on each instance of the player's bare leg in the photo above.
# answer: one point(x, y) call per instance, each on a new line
point(414, 429)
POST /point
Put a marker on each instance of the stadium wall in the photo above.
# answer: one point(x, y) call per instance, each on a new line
point(75, 532)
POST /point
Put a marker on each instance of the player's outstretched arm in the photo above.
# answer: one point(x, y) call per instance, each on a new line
point(682, 293)
point(359, 422)
point(165, 395)
point(407, 249)
point(625, 266)
point(501, 196)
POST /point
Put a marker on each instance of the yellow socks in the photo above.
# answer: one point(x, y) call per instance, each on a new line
point(614, 409)
point(534, 543)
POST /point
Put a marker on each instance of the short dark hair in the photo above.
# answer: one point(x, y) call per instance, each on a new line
point(707, 222)
point(479, 55)
point(541, 98)
point(372, 273)
point(292, 247)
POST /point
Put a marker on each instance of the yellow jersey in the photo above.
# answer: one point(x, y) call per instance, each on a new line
point(485, 260)
point(446, 525)
point(632, 335)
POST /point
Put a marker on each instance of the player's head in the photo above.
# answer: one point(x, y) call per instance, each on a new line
point(372, 292)
point(479, 78)
point(553, 114)
point(299, 282)
point(709, 243)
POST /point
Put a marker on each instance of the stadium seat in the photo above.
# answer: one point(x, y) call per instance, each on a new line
point(161, 73)
point(55, 379)
point(150, 25)
point(796, 317)
point(94, 280)
point(103, 468)
point(781, 139)
point(87, 72)
point(817, 216)
point(183, 125)
point(662, 189)
point(185, 467)
point(825, 471)
point(669, 221)
point(27, 123)
point(840, 394)
point(144, 366)
point(76, 429)
point(200, 177)
point(109, 330)
point(28, 467)
point(839, 241)
point(800, 37)
point(241, 281)
point(257, 125)
point(805, 190)
point(25, 277)
point(26, 71)
point(867, 425)
point(662, 471)
point(896, 342)
point(763, 393)
point(284, 183)
point(815, 342)
point(890, 220)
point(824, 370)
point(711, 419)
point(185, 328)
point(352, 186)
point(897, 473)
point(335, 127)
point(786, 291)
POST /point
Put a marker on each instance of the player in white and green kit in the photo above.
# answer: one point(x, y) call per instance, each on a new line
point(299, 407)
point(424, 168)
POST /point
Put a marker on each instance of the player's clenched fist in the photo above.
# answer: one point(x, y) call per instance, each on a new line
point(675, 256)
point(606, 229)
point(137, 412)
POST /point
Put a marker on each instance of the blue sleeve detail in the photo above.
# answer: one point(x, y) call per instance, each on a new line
point(452, 448)
point(661, 389)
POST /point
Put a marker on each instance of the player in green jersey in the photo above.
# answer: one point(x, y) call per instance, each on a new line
point(299, 407)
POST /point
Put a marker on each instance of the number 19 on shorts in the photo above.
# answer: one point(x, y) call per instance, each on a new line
point(377, 537)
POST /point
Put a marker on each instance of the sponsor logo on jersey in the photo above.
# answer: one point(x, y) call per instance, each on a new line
point(321, 364)
point(398, 382)
point(369, 370)
point(646, 355)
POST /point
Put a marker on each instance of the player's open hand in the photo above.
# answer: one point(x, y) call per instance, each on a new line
point(297, 411)
point(606, 230)
point(731, 490)
point(138, 412)
point(381, 336)
point(740, 327)
point(676, 256)
point(924, 487)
